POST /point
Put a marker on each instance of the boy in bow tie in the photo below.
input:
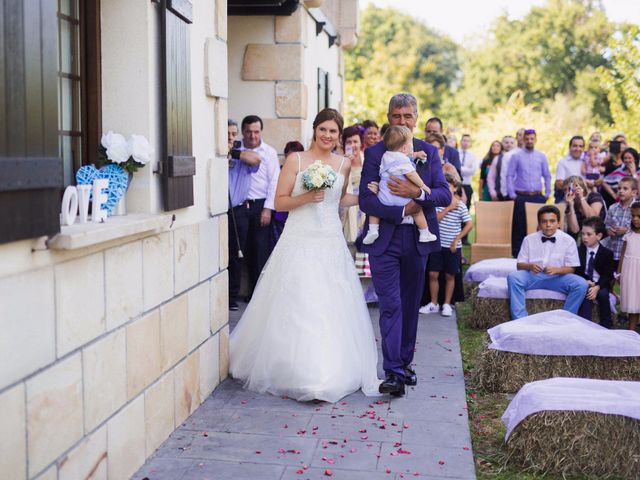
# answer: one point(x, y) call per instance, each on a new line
point(596, 267)
point(547, 260)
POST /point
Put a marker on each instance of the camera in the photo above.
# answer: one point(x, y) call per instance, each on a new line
point(235, 151)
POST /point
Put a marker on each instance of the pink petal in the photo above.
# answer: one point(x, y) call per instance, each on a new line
point(388, 470)
point(353, 450)
point(364, 437)
point(363, 430)
point(441, 462)
point(328, 472)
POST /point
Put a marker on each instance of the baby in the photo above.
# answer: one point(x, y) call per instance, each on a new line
point(396, 162)
point(592, 167)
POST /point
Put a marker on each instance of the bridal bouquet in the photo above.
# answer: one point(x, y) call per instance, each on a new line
point(318, 176)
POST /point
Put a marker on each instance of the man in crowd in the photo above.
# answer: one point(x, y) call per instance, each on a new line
point(434, 125)
point(547, 260)
point(569, 166)
point(260, 198)
point(497, 178)
point(469, 165)
point(527, 168)
point(242, 165)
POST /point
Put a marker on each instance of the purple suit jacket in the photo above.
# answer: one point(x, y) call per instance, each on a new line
point(390, 217)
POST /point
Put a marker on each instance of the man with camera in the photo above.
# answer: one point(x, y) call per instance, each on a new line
point(242, 164)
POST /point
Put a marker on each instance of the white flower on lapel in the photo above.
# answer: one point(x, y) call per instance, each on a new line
point(140, 149)
point(116, 146)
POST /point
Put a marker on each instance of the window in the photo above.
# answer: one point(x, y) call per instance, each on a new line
point(323, 89)
point(79, 112)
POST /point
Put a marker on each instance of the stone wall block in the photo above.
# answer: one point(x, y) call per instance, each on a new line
point(221, 19)
point(270, 62)
point(291, 99)
point(224, 352)
point(224, 241)
point(13, 440)
point(186, 245)
point(123, 272)
point(291, 28)
point(199, 315)
point(54, 412)
point(218, 184)
point(144, 358)
point(105, 378)
point(87, 460)
point(219, 301)
point(216, 78)
point(157, 260)
point(209, 248)
point(209, 367)
point(126, 440)
point(278, 131)
point(187, 387)
point(159, 412)
point(173, 331)
point(80, 311)
point(27, 324)
point(222, 123)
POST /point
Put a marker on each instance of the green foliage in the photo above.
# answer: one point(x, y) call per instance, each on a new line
point(396, 53)
point(542, 55)
point(622, 82)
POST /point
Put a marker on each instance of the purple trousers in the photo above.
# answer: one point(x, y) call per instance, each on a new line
point(398, 277)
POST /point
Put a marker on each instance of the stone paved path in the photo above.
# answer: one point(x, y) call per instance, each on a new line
point(236, 434)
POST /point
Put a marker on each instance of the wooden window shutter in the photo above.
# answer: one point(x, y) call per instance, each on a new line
point(30, 163)
point(178, 162)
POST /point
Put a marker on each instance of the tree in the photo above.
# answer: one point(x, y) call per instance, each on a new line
point(554, 49)
point(397, 53)
point(621, 81)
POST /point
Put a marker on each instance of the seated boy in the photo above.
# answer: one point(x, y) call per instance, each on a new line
point(596, 267)
point(547, 260)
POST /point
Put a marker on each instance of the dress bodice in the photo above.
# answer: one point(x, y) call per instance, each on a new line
point(316, 219)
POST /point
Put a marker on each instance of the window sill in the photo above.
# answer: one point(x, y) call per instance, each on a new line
point(87, 234)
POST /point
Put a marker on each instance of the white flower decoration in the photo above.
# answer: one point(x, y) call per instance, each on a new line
point(116, 146)
point(140, 149)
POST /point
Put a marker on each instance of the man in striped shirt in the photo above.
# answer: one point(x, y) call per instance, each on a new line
point(447, 260)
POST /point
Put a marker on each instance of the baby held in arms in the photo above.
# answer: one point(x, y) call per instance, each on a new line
point(397, 162)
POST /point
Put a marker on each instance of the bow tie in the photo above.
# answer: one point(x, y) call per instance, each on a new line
point(549, 239)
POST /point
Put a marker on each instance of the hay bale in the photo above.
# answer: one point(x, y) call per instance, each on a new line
point(469, 288)
point(508, 372)
point(489, 312)
point(577, 443)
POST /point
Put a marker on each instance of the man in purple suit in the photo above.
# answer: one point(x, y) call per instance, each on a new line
point(397, 259)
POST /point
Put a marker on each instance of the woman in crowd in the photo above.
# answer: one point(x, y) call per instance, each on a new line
point(614, 171)
point(352, 145)
point(630, 159)
point(279, 218)
point(581, 204)
point(494, 151)
point(371, 134)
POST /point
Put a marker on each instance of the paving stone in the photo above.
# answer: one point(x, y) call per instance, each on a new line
point(427, 460)
point(436, 434)
point(163, 469)
point(217, 470)
point(356, 428)
point(242, 447)
point(284, 424)
point(336, 474)
point(350, 455)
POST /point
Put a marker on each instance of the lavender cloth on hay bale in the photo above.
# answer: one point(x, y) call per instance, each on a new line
point(610, 397)
point(492, 267)
point(559, 332)
point(494, 287)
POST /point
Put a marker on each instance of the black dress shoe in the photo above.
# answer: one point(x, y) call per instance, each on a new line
point(410, 377)
point(393, 385)
point(233, 306)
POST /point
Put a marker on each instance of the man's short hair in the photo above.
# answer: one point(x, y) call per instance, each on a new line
point(549, 209)
point(508, 136)
point(465, 135)
point(574, 138)
point(597, 224)
point(396, 136)
point(249, 119)
point(434, 120)
point(437, 138)
point(402, 100)
point(232, 123)
point(632, 180)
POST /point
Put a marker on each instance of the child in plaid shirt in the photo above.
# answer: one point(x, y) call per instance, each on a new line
point(618, 218)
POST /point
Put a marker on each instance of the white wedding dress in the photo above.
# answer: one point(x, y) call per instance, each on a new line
point(307, 332)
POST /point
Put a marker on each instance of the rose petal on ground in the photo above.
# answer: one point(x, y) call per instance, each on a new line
point(440, 462)
point(328, 472)
point(363, 430)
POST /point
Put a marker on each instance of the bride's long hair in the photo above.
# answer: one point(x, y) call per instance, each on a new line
point(328, 114)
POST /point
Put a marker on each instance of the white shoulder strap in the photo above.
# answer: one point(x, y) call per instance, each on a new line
point(299, 161)
point(341, 163)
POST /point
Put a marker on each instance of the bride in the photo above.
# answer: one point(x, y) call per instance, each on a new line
point(307, 332)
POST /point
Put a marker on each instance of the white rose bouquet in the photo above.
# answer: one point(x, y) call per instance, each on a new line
point(318, 176)
point(129, 155)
